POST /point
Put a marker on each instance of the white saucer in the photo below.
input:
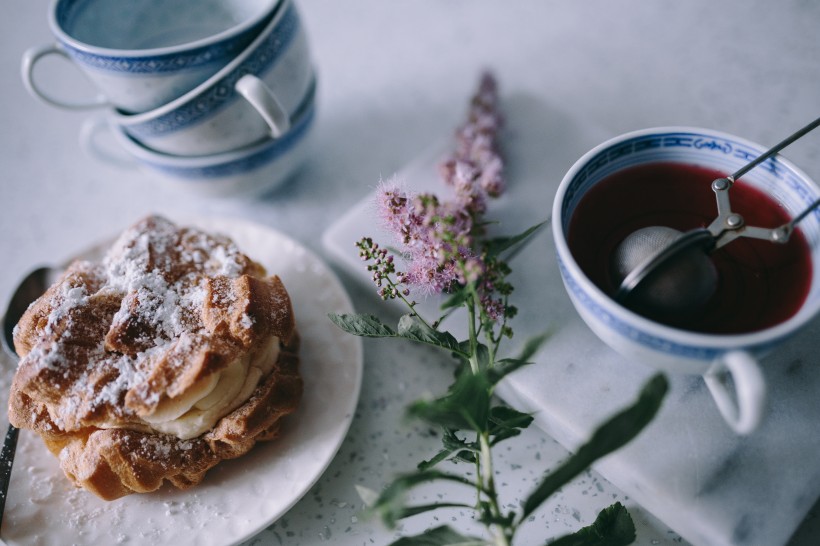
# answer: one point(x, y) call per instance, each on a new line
point(238, 498)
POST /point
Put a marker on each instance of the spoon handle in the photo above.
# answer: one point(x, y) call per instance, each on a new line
point(6, 461)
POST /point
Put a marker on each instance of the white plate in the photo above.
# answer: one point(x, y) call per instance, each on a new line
point(238, 498)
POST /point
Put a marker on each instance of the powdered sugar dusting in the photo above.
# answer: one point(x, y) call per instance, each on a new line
point(48, 354)
point(157, 272)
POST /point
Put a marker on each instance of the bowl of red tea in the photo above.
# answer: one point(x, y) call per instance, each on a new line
point(764, 292)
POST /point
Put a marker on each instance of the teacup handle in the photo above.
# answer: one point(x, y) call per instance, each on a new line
point(742, 410)
point(30, 58)
point(265, 102)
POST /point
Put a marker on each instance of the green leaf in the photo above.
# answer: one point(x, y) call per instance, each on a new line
point(506, 366)
point(452, 444)
point(498, 245)
point(361, 324)
point(612, 435)
point(437, 458)
point(489, 518)
point(412, 328)
point(440, 536)
point(612, 527)
point(456, 298)
point(466, 406)
point(534, 344)
point(465, 456)
point(390, 504)
point(506, 422)
point(409, 511)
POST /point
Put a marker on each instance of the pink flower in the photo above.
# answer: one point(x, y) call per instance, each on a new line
point(436, 237)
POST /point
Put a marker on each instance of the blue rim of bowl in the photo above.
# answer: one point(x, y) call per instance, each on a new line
point(220, 94)
point(204, 52)
point(250, 158)
point(614, 156)
point(736, 153)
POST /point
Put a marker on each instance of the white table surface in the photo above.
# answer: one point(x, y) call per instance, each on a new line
point(394, 77)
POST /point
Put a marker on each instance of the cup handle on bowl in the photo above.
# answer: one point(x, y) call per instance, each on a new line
point(265, 102)
point(743, 408)
point(30, 58)
point(97, 141)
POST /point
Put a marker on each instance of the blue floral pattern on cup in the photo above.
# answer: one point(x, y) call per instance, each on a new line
point(262, 155)
point(222, 93)
point(213, 54)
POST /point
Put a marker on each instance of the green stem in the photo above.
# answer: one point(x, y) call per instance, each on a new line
point(485, 482)
point(411, 305)
point(472, 333)
point(503, 535)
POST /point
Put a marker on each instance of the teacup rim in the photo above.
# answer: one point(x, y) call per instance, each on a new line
point(723, 342)
point(126, 119)
point(225, 35)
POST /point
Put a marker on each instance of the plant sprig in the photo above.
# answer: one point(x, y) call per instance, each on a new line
point(446, 250)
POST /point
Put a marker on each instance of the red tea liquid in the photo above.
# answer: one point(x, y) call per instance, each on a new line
point(760, 284)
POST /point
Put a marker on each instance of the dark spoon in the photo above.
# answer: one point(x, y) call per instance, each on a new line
point(29, 289)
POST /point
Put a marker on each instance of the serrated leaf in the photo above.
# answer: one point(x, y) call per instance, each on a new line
point(440, 536)
point(412, 328)
point(453, 447)
point(453, 442)
point(361, 324)
point(611, 435)
point(612, 527)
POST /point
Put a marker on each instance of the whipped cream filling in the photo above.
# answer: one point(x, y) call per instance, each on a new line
point(212, 398)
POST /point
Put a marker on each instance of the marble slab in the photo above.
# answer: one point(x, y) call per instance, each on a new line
point(687, 468)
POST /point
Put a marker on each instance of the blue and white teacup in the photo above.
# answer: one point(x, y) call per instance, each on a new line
point(249, 100)
point(141, 54)
point(715, 356)
point(245, 172)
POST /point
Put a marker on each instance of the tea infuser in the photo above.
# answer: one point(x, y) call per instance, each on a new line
point(661, 269)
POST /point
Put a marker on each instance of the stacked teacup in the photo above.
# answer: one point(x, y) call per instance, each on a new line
point(216, 96)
